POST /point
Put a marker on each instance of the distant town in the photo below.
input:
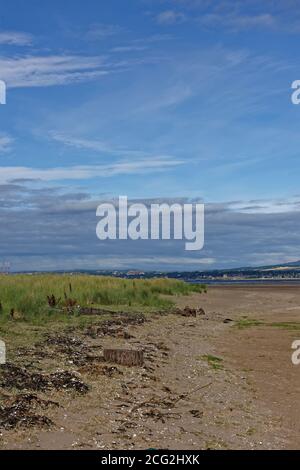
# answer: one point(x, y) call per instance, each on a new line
point(284, 272)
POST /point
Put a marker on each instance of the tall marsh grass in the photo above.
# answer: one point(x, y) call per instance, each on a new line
point(27, 294)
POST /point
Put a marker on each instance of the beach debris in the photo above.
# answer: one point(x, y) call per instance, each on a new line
point(227, 320)
point(20, 412)
point(67, 380)
point(76, 351)
point(188, 311)
point(200, 311)
point(115, 326)
point(33, 400)
point(12, 416)
point(63, 340)
point(100, 369)
point(111, 371)
point(196, 413)
point(14, 376)
point(158, 415)
point(159, 408)
point(125, 357)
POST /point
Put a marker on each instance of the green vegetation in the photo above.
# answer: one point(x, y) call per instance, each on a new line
point(214, 361)
point(285, 325)
point(247, 322)
point(250, 431)
point(36, 298)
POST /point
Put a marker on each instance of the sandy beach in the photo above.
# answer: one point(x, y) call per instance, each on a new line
point(223, 380)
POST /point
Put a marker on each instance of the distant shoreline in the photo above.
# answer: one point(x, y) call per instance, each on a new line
point(246, 282)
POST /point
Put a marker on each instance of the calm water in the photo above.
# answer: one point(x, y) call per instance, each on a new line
point(279, 282)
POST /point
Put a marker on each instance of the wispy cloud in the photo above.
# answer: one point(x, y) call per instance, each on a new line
point(169, 17)
point(229, 15)
point(129, 48)
point(15, 38)
point(34, 71)
point(94, 145)
point(101, 30)
point(238, 22)
point(43, 71)
point(5, 143)
point(80, 143)
point(143, 166)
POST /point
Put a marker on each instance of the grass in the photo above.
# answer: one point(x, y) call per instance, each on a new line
point(247, 323)
point(214, 361)
point(286, 325)
point(27, 295)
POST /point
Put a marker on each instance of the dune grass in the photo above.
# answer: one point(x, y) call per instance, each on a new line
point(27, 294)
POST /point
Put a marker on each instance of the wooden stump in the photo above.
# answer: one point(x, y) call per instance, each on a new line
point(124, 357)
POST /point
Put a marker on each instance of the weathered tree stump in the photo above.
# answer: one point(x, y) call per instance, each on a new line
point(124, 357)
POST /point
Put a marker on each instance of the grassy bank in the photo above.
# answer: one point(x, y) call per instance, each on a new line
point(42, 297)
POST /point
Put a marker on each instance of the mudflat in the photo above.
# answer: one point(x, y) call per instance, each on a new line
point(215, 381)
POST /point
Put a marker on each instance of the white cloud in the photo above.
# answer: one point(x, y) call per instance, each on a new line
point(5, 143)
point(238, 22)
point(153, 165)
point(33, 71)
point(15, 38)
point(170, 17)
point(42, 71)
point(94, 145)
point(80, 143)
point(267, 206)
point(129, 48)
point(150, 261)
point(100, 31)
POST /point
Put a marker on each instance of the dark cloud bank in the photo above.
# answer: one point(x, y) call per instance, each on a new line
point(46, 228)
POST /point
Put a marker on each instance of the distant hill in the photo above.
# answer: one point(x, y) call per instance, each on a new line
point(291, 269)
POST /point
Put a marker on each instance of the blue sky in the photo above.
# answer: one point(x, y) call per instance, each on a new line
point(161, 99)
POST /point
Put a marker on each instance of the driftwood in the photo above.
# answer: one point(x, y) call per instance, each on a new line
point(125, 357)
